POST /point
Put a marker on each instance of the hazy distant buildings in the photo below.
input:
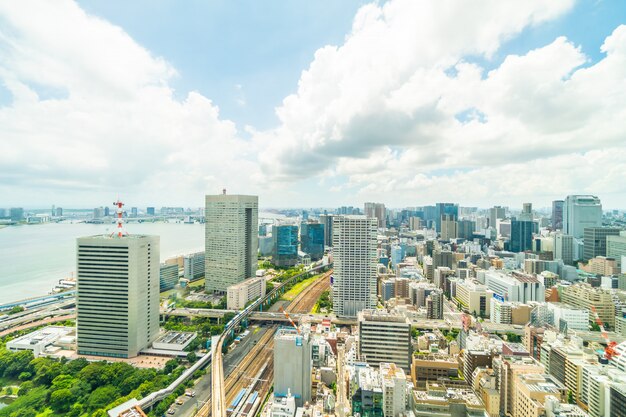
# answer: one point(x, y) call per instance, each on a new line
point(448, 227)
point(312, 240)
point(579, 212)
point(557, 214)
point(118, 294)
point(16, 214)
point(354, 253)
point(496, 213)
point(285, 245)
point(150, 211)
point(564, 248)
point(445, 208)
point(231, 240)
point(378, 211)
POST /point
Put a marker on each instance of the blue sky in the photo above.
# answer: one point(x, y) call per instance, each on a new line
point(405, 102)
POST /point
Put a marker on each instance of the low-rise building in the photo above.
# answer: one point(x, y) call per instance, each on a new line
point(443, 401)
point(238, 295)
point(41, 340)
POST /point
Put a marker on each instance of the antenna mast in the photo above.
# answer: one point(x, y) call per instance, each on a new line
point(120, 223)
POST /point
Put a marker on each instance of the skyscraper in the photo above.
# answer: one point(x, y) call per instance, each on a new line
point(445, 208)
point(231, 240)
point(118, 294)
point(527, 212)
point(595, 241)
point(580, 211)
point(448, 227)
point(327, 221)
point(564, 248)
point(557, 214)
point(495, 213)
point(285, 245)
point(292, 364)
point(378, 211)
point(312, 240)
point(521, 235)
point(354, 253)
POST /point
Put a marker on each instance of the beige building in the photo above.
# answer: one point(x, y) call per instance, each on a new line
point(231, 240)
point(432, 367)
point(238, 295)
point(509, 368)
point(474, 296)
point(532, 390)
point(584, 296)
point(385, 337)
point(601, 265)
point(117, 305)
point(441, 400)
point(394, 390)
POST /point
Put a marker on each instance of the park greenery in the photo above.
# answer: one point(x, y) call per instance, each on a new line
point(78, 388)
point(324, 303)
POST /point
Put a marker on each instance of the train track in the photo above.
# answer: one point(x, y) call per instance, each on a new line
point(263, 352)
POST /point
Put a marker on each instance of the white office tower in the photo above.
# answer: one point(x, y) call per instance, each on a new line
point(231, 240)
point(354, 254)
point(394, 390)
point(118, 294)
point(385, 337)
point(292, 365)
point(580, 211)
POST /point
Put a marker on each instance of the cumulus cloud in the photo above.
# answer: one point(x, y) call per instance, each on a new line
point(92, 110)
point(400, 106)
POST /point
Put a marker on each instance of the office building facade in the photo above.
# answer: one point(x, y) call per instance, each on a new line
point(579, 212)
point(312, 240)
point(327, 221)
point(285, 245)
point(292, 365)
point(354, 254)
point(557, 214)
point(385, 337)
point(442, 209)
point(595, 241)
point(521, 235)
point(117, 303)
point(231, 240)
point(378, 211)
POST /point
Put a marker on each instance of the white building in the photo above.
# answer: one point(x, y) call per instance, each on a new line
point(239, 295)
point(580, 211)
point(354, 254)
point(283, 406)
point(193, 266)
point(292, 365)
point(117, 304)
point(575, 318)
point(394, 390)
point(231, 240)
point(518, 287)
point(39, 340)
point(384, 337)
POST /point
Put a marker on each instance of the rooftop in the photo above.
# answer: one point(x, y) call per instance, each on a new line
point(176, 338)
point(541, 383)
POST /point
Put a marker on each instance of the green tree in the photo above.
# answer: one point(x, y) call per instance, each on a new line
point(102, 396)
point(25, 387)
point(61, 400)
point(19, 362)
point(25, 376)
point(192, 357)
point(24, 412)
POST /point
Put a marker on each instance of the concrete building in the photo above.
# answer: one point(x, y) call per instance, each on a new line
point(385, 337)
point(583, 296)
point(238, 295)
point(595, 241)
point(327, 221)
point(448, 227)
point(496, 213)
point(557, 214)
point(292, 365)
point(465, 229)
point(474, 296)
point(377, 211)
point(532, 390)
point(394, 390)
point(616, 248)
point(231, 240)
point(446, 401)
point(354, 255)
point(434, 305)
point(174, 341)
point(285, 245)
point(433, 367)
point(312, 240)
point(564, 248)
point(579, 212)
point(521, 235)
point(193, 266)
point(117, 303)
point(443, 209)
point(600, 265)
point(168, 276)
point(16, 214)
point(509, 368)
point(41, 340)
point(515, 286)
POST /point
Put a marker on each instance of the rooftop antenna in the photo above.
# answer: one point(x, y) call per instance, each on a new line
point(224, 191)
point(120, 223)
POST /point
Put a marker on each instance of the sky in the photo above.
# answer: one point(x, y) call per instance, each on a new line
point(312, 104)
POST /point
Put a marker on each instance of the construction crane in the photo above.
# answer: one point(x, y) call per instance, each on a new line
point(282, 310)
point(609, 350)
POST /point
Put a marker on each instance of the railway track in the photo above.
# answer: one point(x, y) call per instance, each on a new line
point(263, 352)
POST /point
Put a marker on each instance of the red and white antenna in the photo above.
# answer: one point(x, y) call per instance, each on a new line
point(120, 223)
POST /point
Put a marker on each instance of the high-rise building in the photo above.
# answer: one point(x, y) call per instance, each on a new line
point(533, 391)
point(327, 221)
point(595, 241)
point(527, 212)
point(448, 227)
point(107, 212)
point(150, 211)
point(231, 240)
point(134, 212)
point(434, 305)
point(564, 248)
point(616, 248)
point(292, 365)
point(579, 212)
point(354, 254)
point(16, 214)
point(385, 337)
point(445, 208)
point(117, 304)
point(521, 235)
point(465, 229)
point(584, 296)
point(495, 213)
point(378, 211)
point(285, 245)
point(394, 390)
point(557, 214)
point(168, 276)
point(193, 266)
point(98, 212)
point(312, 240)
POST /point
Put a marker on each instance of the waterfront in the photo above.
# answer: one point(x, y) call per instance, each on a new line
point(34, 257)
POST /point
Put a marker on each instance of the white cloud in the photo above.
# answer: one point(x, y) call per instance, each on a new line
point(93, 111)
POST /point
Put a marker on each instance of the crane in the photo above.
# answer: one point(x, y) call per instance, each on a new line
point(282, 310)
point(609, 350)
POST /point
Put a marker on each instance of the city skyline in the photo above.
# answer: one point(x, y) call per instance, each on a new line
point(522, 104)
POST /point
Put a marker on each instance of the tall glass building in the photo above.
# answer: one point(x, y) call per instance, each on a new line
point(285, 251)
point(312, 240)
point(579, 212)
